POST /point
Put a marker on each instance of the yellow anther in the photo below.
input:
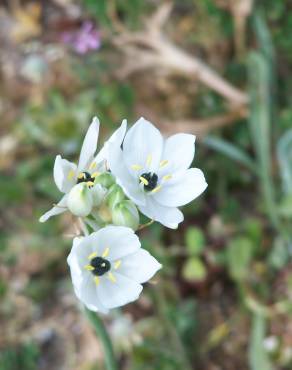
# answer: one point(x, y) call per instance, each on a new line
point(111, 277)
point(95, 174)
point(90, 183)
point(149, 160)
point(92, 255)
point(96, 280)
point(156, 189)
point(117, 264)
point(105, 252)
point(166, 177)
point(92, 165)
point(81, 176)
point(71, 174)
point(143, 180)
point(163, 163)
point(89, 268)
point(136, 167)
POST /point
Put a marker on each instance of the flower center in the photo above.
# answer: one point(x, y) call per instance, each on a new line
point(86, 177)
point(100, 266)
point(149, 180)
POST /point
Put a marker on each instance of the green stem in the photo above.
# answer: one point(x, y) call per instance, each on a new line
point(103, 335)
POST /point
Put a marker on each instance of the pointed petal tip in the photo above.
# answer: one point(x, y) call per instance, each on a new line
point(95, 120)
point(94, 124)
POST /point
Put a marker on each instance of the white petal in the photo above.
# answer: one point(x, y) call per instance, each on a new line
point(64, 174)
point(179, 151)
point(129, 184)
point(89, 145)
point(190, 185)
point(87, 292)
point(167, 216)
point(143, 146)
point(80, 251)
point(119, 293)
point(119, 240)
point(139, 266)
point(83, 282)
point(56, 210)
point(117, 138)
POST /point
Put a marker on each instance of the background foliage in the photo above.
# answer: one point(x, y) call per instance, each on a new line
point(223, 299)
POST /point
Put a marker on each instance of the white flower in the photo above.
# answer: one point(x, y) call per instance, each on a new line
point(155, 173)
point(108, 267)
point(67, 174)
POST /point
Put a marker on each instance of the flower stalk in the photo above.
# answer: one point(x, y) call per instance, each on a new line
point(99, 328)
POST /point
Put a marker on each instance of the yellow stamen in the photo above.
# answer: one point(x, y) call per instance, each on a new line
point(149, 160)
point(163, 163)
point(92, 165)
point(96, 280)
point(71, 174)
point(90, 183)
point(95, 174)
point(142, 179)
point(89, 268)
point(111, 277)
point(106, 252)
point(166, 177)
point(156, 189)
point(117, 264)
point(81, 176)
point(92, 255)
point(136, 167)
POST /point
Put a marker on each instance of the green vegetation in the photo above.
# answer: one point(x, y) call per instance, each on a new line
point(225, 290)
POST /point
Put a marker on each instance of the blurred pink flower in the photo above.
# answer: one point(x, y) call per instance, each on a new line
point(83, 40)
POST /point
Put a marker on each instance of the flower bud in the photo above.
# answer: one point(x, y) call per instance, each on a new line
point(105, 179)
point(98, 193)
point(115, 195)
point(80, 200)
point(125, 213)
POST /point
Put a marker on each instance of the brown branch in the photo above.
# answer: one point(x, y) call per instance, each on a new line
point(151, 49)
point(202, 127)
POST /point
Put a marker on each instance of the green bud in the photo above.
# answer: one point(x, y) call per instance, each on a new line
point(105, 179)
point(98, 194)
point(115, 195)
point(125, 213)
point(80, 200)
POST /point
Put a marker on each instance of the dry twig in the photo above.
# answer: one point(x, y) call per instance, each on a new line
point(152, 49)
point(201, 127)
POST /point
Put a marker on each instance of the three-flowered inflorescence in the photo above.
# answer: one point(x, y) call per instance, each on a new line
point(136, 171)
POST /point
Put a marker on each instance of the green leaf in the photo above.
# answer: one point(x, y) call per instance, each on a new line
point(284, 152)
point(260, 125)
point(253, 230)
point(194, 270)
point(195, 241)
point(285, 206)
point(279, 255)
point(258, 358)
point(231, 151)
point(239, 254)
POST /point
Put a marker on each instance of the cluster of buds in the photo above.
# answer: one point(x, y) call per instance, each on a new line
point(135, 171)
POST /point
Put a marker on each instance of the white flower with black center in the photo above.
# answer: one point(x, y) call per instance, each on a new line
point(75, 181)
point(108, 268)
point(154, 172)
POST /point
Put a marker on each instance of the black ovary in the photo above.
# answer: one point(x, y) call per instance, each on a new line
point(100, 265)
point(86, 178)
point(152, 179)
